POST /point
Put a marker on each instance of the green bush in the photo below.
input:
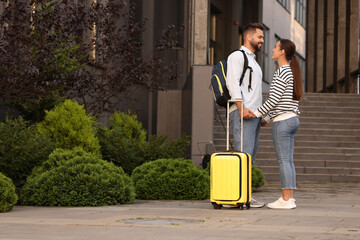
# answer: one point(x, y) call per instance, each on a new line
point(70, 126)
point(171, 179)
point(159, 147)
point(22, 148)
point(257, 177)
point(77, 178)
point(130, 127)
point(123, 143)
point(8, 197)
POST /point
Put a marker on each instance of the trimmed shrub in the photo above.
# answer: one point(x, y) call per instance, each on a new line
point(8, 197)
point(130, 127)
point(171, 179)
point(70, 126)
point(123, 143)
point(159, 147)
point(257, 177)
point(77, 178)
point(22, 148)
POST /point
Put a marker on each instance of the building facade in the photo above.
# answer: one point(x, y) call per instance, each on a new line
point(333, 46)
point(213, 29)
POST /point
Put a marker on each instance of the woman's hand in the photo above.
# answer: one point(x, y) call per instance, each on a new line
point(263, 122)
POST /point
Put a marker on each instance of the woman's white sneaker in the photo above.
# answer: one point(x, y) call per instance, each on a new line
point(282, 204)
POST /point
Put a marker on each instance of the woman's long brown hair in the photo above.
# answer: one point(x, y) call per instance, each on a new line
point(290, 49)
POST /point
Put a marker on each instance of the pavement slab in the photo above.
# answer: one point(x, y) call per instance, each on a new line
point(324, 211)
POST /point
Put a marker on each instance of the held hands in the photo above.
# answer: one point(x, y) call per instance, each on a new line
point(247, 113)
point(263, 122)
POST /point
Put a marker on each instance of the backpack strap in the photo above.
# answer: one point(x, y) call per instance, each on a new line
point(246, 66)
point(249, 87)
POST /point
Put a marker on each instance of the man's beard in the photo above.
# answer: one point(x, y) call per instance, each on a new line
point(256, 45)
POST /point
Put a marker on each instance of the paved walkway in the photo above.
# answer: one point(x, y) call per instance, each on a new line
point(324, 212)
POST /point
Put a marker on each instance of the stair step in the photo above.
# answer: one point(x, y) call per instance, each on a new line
point(315, 170)
point(332, 126)
point(307, 126)
point(315, 143)
point(311, 163)
point(327, 120)
point(337, 109)
point(327, 95)
point(316, 137)
point(313, 149)
point(329, 114)
point(313, 119)
point(351, 104)
point(316, 177)
point(313, 156)
point(305, 131)
point(304, 141)
point(330, 97)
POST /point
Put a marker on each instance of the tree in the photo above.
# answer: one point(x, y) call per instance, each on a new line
point(53, 49)
point(37, 56)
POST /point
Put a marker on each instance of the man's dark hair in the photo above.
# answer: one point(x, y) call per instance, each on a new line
point(252, 27)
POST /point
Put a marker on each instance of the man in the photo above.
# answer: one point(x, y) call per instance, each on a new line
point(251, 96)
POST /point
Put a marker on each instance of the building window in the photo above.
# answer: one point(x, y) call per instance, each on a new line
point(285, 4)
point(300, 11)
point(263, 56)
point(212, 38)
point(214, 14)
point(241, 38)
point(302, 67)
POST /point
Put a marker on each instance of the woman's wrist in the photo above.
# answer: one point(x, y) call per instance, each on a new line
point(257, 113)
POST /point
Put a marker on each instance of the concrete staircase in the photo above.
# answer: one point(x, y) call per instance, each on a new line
point(327, 144)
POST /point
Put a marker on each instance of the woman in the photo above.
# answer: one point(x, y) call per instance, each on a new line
point(282, 107)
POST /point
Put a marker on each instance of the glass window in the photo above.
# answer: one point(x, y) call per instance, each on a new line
point(263, 56)
point(302, 67)
point(212, 38)
point(285, 4)
point(300, 12)
point(213, 26)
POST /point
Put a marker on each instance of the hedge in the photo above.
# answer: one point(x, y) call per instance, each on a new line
point(171, 179)
point(77, 178)
point(8, 197)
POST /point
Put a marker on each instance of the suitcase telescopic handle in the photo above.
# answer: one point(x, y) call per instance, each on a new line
point(228, 125)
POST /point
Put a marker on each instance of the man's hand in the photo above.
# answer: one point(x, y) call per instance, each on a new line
point(247, 113)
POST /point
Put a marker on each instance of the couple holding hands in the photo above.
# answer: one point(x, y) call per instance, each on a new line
point(281, 107)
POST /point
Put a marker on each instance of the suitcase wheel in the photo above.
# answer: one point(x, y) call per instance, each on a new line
point(216, 206)
point(241, 206)
point(247, 205)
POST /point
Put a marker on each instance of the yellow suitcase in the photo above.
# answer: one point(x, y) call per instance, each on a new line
point(230, 176)
point(230, 179)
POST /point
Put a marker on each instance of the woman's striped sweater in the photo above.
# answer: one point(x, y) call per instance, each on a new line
point(280, 99)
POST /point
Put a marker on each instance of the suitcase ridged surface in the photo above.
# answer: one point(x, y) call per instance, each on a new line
point(230, 176)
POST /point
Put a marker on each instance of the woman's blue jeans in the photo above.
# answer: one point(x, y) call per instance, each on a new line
point(283, 133)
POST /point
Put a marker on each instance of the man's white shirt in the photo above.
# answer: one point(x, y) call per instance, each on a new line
point(251, 99)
